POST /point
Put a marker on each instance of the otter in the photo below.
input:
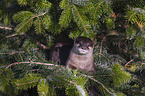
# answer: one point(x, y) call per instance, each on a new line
point(59, 52)
point(55, 52)
point(81, 56)
point(77, 56)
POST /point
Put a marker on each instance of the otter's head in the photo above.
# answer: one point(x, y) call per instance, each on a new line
point(83, 46)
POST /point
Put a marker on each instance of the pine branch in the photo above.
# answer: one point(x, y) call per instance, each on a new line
point(38, 63)
point(26, 22)
point(20, 84)
point(136, 15)
point(80, 20)
point(42, 45)
point(97, 8)
point(66, 17)
point(131, 16)
point(38, 26)
point(90, 77)
point(13, 35)
point(6, 28)
point(142, 64)
point(44, 88)
point(128, 62)
point(24, 25)
point(13, 53)
point(80, 88)
point(46, 21)
point(22, 2)
point(63, 4)
point(28, 81)
point(119, 76)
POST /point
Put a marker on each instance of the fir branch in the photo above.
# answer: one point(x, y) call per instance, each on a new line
point(43, 88)
point(81, 90)
point(120, 76)
point(38, 63)
point(13, 35)
point(18, 84)
point(46, 21)
point(26, 23)
point(81, 19)
point(66, 17)
point(71, 82)
point(97, 8)
point(131, 16)
point(100, 54)
point(78, 87)
point(38, 26)
point(63, 4)
point(46, 4)
point(41, 14)
point(91, 77)
point(128, 62)
point(28, 81)
point(139, 10)
point(42, 45)
point(20, 16)
point(142, 64)
point(102, 44)
point(22, 2)
point(42, 5)
point(13, 53)
point(6, 28)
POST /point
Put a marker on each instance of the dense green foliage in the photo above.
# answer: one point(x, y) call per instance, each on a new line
point(28, 29)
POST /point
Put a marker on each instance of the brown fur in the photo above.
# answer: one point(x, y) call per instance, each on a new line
point(59, 52)
point(82, 61)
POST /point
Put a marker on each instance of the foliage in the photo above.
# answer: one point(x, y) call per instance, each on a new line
point(120, 76)
point(28, 28)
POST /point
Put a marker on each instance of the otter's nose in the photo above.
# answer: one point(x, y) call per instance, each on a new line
point(84, 47)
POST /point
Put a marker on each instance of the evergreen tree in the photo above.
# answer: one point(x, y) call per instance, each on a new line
point(28, 29)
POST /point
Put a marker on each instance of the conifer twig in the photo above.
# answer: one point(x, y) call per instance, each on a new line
point(6, 28)
point(128, 62)
point(11, 35)
point(13, 53)
point(18, 84)
point(38, 63)
point(71, 82)
point(142, 64)
point(90, 77)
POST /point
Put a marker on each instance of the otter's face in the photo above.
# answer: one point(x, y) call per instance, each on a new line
point(82, 49)
point(83, 46)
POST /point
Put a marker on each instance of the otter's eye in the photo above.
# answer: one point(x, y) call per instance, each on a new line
point(88, 47)
point(78, 45)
